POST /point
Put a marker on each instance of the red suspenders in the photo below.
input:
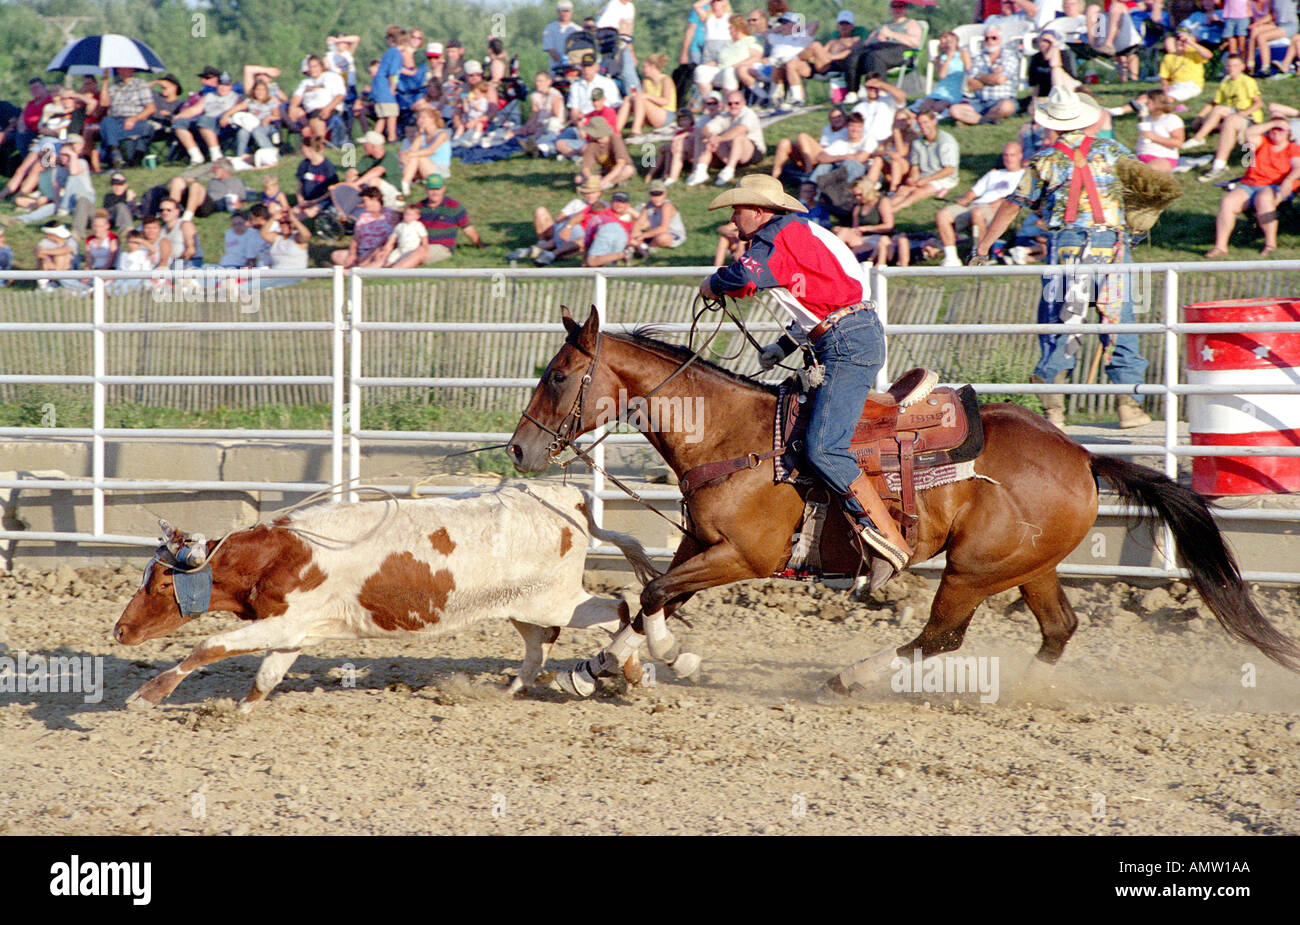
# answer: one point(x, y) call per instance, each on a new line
point(1081, 179)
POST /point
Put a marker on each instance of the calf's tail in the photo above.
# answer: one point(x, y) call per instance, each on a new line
point(629, 546)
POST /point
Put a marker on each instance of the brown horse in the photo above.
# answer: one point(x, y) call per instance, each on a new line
point(1034, 500)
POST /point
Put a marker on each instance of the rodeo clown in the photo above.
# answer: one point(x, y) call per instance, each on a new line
point(1075, 186)
point(815, 277)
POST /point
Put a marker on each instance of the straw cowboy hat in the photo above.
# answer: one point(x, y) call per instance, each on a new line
point(758, 190)
point(1064, 110)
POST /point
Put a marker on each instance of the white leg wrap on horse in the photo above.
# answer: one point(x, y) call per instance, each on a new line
point(625, 642)
point(685, 665)
point(868, 669)
point(659, 638)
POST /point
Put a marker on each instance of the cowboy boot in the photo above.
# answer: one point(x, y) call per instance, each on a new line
point(881, 534)
point(1053, 404)
point(1131, 413)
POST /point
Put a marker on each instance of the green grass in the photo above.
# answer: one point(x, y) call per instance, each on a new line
point(501, 196)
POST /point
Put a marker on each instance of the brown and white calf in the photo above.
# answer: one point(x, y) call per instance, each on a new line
point(352, 571)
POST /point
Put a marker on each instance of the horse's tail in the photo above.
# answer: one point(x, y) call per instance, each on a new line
point(1203, 551)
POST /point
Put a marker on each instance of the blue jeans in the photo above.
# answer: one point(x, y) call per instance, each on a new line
point(261, 135)
point(113, 130)
point(852, 352)
point(1127, 366)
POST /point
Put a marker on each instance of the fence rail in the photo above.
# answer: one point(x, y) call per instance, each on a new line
point(376, 343)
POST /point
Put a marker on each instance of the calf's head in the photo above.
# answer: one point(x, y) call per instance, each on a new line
point(155, 610)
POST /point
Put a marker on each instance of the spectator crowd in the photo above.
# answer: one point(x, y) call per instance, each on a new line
point(424, 102)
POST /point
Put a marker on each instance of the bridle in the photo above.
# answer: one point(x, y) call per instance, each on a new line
point(568, 429)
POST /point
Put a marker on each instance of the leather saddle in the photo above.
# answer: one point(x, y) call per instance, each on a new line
point(911, 427)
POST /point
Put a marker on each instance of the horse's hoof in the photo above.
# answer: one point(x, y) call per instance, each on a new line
point(831, 693)
point(515, 687)
point(686, 666)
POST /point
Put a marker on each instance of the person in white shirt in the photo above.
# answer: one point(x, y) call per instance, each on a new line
point(580, 90)
point(975, 208)
point(317, 97)
point(882, 103)
point(556, 33)
point(804, 149)
point(617, 15)
point(739, 144)
point(784, 43)
point(852, 152)
point(408, 245)
point(242, 244)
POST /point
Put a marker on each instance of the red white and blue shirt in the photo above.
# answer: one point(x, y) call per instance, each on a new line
point(807, 268)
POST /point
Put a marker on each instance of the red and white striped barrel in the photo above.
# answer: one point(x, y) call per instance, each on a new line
point(1244, 419)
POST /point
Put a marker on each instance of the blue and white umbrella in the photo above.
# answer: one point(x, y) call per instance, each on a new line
point(94, 53)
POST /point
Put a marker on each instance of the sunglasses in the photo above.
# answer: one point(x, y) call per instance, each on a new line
point(658, 192)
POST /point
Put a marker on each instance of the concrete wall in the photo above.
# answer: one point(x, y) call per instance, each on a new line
point(1259, 546)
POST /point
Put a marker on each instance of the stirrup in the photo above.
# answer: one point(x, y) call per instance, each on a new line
point(894, 556)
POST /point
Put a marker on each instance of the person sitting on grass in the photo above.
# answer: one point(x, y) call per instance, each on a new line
point(739, 143)
point(1236, 104)
point(676, 154)
point(609, 233)
point(561, 235)
point(225, 192)
point(976, 207)
point(869, 216)
point(55, 250)
point(373, 226)
point(934, 158)
point(1160, 133)
point(658, 224)
point(408, 245)
point(443, 217)
point(316, 174)
point(803, 150)
point(604, 156)
point(1270, 180)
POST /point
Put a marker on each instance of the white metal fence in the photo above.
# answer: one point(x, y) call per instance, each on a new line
point(348, 382)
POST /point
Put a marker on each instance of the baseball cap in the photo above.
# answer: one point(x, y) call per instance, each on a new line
point(587, 59)
point(224, 79)
point(209, 71)
point(564, 5)
point(845, 16)
point(657, 186)
point(713, 97)
point(373, 138)
point(57, 230)
point(620, 196)
point(788, 17)
point(473, 67)
point(435, 181)
point(434, 49)
point(599, 128)
point(117, 178)
point(597, 94)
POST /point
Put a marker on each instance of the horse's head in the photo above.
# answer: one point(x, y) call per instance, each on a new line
point(560, 409)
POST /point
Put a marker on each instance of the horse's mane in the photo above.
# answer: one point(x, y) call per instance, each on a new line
point(648, 337)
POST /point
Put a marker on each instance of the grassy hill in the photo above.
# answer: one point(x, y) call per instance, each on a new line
point(501, 196)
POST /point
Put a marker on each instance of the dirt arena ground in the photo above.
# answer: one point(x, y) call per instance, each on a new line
point(1154, 723)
